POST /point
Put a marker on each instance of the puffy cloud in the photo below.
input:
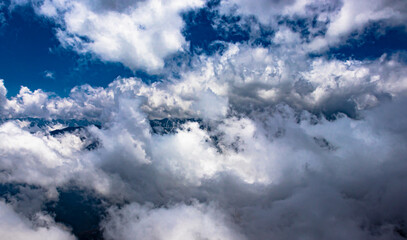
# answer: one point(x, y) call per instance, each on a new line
point(241, 79)
point(84, 102)
point(47, 161)
point(159, 100)
point(245, 84)
point(15, 226)
point(138, 34)
point(276, 171)
point(195, 221)
point(258, 77)
point(271, 142)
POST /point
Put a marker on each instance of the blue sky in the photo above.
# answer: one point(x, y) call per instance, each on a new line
point(29, 49)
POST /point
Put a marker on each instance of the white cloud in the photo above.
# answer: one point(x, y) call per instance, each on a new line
point(47, 161)
point(262, 160)
point(140, 35)
point(269, 169)
point(15, 226)
point(196, 221)
point(355, 15)
point(3, 97)
point(270, 174)
point(241, 79)
point(259, 77)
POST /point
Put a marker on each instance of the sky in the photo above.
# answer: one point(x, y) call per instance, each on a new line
point(203, 119)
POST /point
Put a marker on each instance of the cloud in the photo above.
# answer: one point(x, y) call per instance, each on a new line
point(329, 23)
point(15, 226)
point(3, 93)
point(252, 142)
point(138, 34)
point(355, 16)
point(241, 79)
point(256, 77)
point(277, 171)
point(264, 10)
point(195, 221)
point(49, 74)
point(273, 173)
point(40, 159)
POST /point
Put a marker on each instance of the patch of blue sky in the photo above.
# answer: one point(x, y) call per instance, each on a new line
point(29, 48)
point(205, 30)
point(372, 44)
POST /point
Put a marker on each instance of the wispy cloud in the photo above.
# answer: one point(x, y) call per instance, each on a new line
point(49, 74)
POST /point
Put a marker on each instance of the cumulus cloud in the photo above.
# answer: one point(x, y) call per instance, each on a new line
point(292, 172)
point(274, 172)
point(195, 221)
point(138, 34)
point(241, 79)
point(37, 158)
point(252, 142)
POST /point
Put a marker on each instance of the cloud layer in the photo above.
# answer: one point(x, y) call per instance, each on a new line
point(254, 141)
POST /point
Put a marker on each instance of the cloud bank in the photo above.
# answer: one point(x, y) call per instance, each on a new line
point(254, 141)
